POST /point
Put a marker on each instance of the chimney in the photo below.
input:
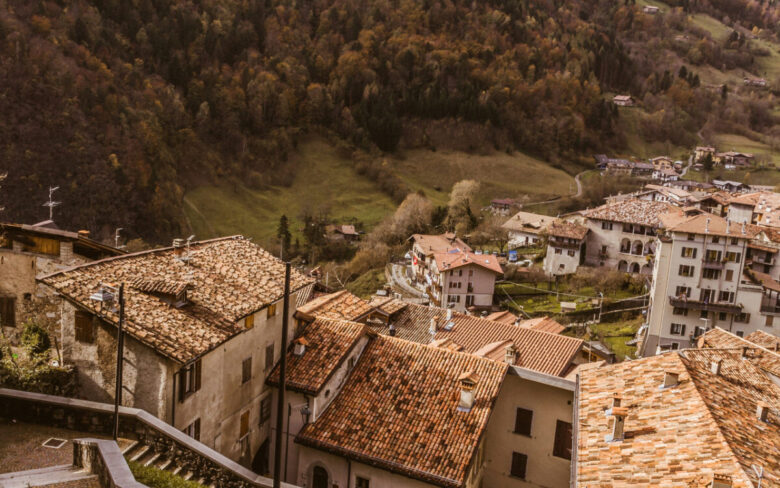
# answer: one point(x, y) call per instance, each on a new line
point(721, 481)
point(178, 250)
point(776, 347)
point(468, 381)
point(707, 226)
point(620, 414)
point(744, 352)
point(715, 366)
point(510, 354)
point(616, 400)
point(392, 330)
point(762, 411)
point(84, 234)
point(670, 379)
point(449, 314)
point(434, 325)
point(300, 346)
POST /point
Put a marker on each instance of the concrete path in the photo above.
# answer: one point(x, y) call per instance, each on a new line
point(44, 476)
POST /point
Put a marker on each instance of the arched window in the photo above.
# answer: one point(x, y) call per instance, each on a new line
point(319, 478)
point(623, 266)
point(637, 248)
point(625, 246)
point(635, 267)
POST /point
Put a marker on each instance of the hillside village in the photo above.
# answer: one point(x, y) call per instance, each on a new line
point(440, 377)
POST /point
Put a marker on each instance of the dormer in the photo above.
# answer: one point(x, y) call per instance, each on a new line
point(172, 292)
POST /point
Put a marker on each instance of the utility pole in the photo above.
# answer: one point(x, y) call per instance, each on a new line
point(119, 359)
point(282, 381)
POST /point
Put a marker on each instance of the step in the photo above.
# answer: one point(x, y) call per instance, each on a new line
point(177, 470)
point(188, 476)
point(44, 476)
point(201, 481)
point(130, 447)
point(141, 452)
point(163, 466)
point(153, 459)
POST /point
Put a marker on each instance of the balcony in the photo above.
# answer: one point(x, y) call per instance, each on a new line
point(708, 306)
point(712, 264)
point(766, 261)
point(771, 306)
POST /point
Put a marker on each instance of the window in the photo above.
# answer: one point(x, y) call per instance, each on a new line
point(704, 314)
point(271, 310)
point(729, 275)
point(523, 419)
point(677, 329)
point(249, 321)
point(711, 274)
point(471, 273)
point(675, 346)
point(562, 446)
point(606, 225)
point(683, 291)
point(769, 321)
point(733, 257)
point(460, 272)
point(570, 252)
point(740, 333)
point(558, 250)
point(243, 425)
point(519, 463)
point(722, 316)
point(734, 241)
point(85, 327)
point(712, 256)
point(726, 296)
point(680, 311)
point(265, 409)
point(715, 239)
point(8, 311)
point(742, 318)
point(246, 370)
point(689, 252)
point(269, 356)
point(193, 430)
point(686, 270)
point(361, 482)
point(189, 379)
point(691, 237)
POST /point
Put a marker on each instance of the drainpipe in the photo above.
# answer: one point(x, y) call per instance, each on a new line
point(173, 400)
point(349, 473)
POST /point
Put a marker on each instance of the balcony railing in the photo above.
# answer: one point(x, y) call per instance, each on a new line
point(708, 306)
point(770, 306)
point(712, 264)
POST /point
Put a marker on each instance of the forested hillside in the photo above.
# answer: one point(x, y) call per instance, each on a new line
point(127, 104)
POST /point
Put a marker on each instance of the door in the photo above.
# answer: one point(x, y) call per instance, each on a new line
point(319, 477)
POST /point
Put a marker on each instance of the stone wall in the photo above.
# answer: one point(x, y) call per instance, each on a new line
point(104, 459)
point(86, 416)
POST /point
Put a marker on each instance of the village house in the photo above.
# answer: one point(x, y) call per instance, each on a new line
point(760, 208)
point(651, 9)
point(203, 329)
point(623, 100)
point(701, 152)
point(662, 162)
point(527, 441)
point(755, 82)
point(526, 229)
point(565, 248)
point(731, 186)
point(696, 417)
point(665, 175)
point(463, 280)
point(29, 250)
point(342, 233)
point(502, 206)
point(698, 282)
point(425, 246)
point(623, 234)
point(733, 159)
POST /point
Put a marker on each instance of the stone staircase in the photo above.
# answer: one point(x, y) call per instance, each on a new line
point(44, 476)
point(145, 455)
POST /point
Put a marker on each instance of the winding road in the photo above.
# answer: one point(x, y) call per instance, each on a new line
point(576, 194)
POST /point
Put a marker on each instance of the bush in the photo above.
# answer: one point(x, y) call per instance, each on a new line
point(35, 339)
point(156, 478)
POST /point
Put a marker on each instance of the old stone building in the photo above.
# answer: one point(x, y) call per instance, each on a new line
point(203, 330)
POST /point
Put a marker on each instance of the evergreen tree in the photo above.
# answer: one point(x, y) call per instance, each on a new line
point(283, 233)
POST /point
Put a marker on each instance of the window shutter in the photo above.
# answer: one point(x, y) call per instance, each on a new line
point(196, 433)
point(519, 463)
point(196, 382)
point(563, 440)
point(182, 383)
point(8, 311)
point(523, 420)
point(244, 427)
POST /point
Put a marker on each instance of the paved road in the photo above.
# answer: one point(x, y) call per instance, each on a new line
point(573, 195)
point(398, 280)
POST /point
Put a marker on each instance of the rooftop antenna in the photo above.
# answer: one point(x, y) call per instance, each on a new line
point(51, 203)
point(116, 238)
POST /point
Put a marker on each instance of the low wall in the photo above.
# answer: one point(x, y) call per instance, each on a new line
point(104, 458)
point(87, 416)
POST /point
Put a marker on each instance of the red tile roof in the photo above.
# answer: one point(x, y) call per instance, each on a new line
point(431, 244)
point(765, 340)
point(543, 324)
point(683, 435)
point(227, 279)
point(713, 225)
point(341, 305)
point(632, 211)
point(570, 230)
point(399, 411)
point(328, 344)
point(453, 260)
point(760, 355)
point(504, 316)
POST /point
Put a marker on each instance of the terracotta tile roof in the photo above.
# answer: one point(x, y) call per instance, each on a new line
point(341, 305)
point(528, 222)
point(328, 342)
point(228, 279)
point(399, 411)
point(713, 225)
point(504, 316)
point(632, 211)
point(452, 260)
point(765, 340)
point(543, 324)
point(540, 351)
point(682, 435)
point(388, 305)
point(431, 244)
point(762, 279)
point(759, 354)
point(569, 230)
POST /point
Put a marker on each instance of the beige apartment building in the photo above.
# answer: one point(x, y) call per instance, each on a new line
point(699, 282)
point(425, 246)
point(203, 331)
point(29, 250)
point(565, 248)
point(463, 280)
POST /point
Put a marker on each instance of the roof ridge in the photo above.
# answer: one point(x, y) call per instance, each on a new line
point(425, 348)
point(742, 339)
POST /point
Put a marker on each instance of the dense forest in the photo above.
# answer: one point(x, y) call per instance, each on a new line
point(126, 104)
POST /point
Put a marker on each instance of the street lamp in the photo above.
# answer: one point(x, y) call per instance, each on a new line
point(106, 296)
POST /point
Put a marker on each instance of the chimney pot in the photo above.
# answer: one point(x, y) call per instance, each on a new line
point(83, 233)
point(715, 366)
point(620, 414)
point(744, 352)
point(392, 330)
point(670, 379)
point(468, 381)
point(762, 411)
point(721, 481)
point(616, 400)
point(449, 314)
point(300, 346)
point(510, 354)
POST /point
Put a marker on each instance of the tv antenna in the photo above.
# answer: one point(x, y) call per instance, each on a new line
point(51, 203)
point(116, 238)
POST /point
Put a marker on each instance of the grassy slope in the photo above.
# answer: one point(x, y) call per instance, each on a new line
point(323, 181)
point(326, 180)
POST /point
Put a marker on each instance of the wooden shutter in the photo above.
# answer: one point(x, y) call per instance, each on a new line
point(196, 430)
point(246, 370)
point(182, 383)
point(269, 356)
point(85, 327)
point(196, 372)
point(563, 440)
point(249, 321)
point(8, 311)
point(244, 427)
point(523, 421)
point(519, 463)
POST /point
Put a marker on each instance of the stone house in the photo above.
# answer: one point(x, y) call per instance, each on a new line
point(29, 250)
point(565, 248)
point(425, 246)
point(526, 229)
point(203, 328)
